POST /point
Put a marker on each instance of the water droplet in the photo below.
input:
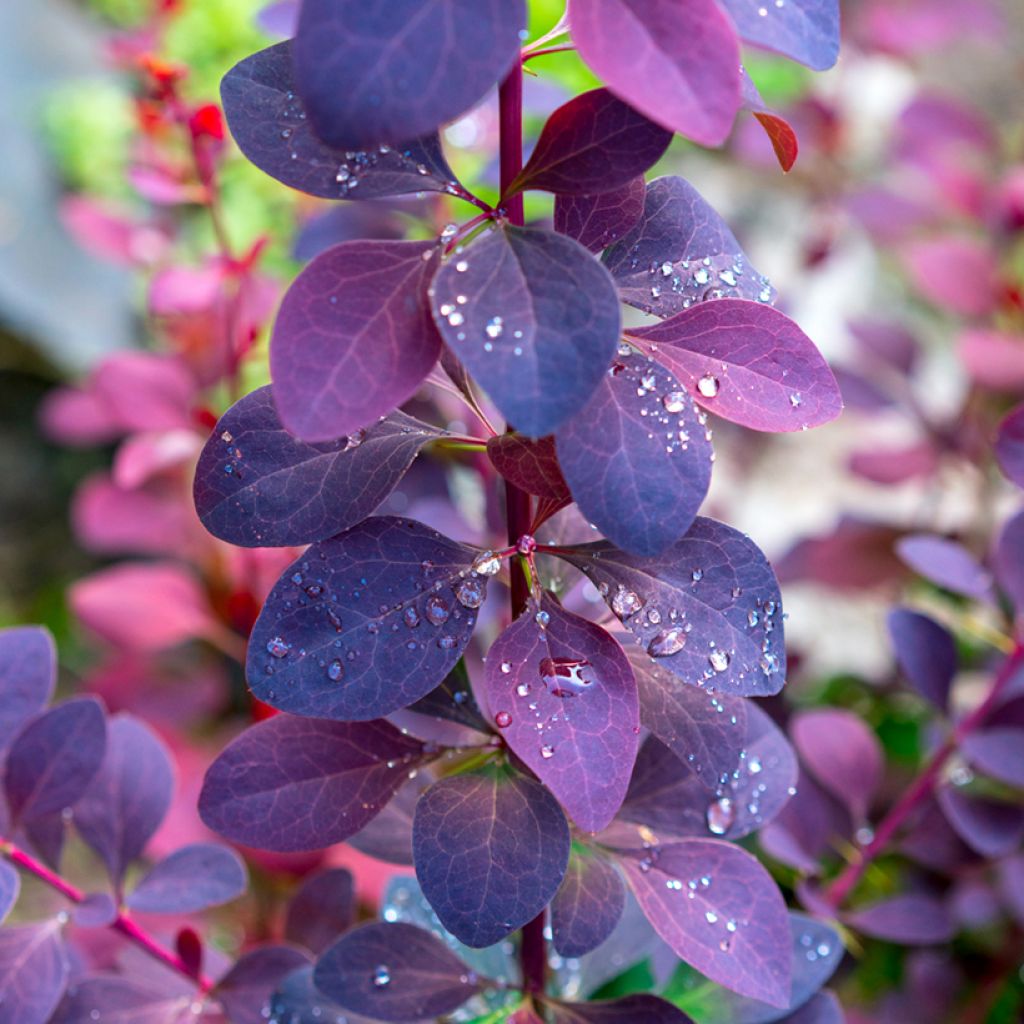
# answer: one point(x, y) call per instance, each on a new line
point(487, 564)
point(381, 977)
point(277, 648)
point(494, 327)
point(471, 592)
point(547, 752)
point(754, 765)
point(411, 617)
point(506, 667)
point(626, 603)
point(456, 318)
point(335, 671)
point(523, 689)
point(674, 401)
point(795, 399)
point(719, 659)
point(503, 719)
point(697, 575)
point(354, 440)
point(708, 385)
point(446, 643)
point(666, 643)
point(462, 266)
point(542, 618)
point(720, 816)
point(710, 916)
point(566, 677)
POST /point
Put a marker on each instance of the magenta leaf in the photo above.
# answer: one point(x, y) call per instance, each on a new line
point(33, 971)
point(10, 886)
point(54, 758)
point(354, 338)
point(926, 653)
point(708, 608)
point(596, 221)
point(370, 75)
point(588, 904)
point(999, 752)
point(720, 911)
point(637, 456)
point(594, 143)
point(394, 972)
point(304, 784)
point(1010, 445)
point(534, 318)
point(806, 30)
point(257, 485)
point(28, 673)
point(323, 907)
point(990, 827)
point(365, 623)
point(947, 564)
point(1009, 560)
point(636, 1009)
point(270, 124)
point(681, 252)
point(564, 697)
point(529, 464)
point(676, 63)
point(842, 753)
point(129, 796)
point(746, 362)
point(246, 990)
point(190, 879)
point(491, 850)
point(907, 920)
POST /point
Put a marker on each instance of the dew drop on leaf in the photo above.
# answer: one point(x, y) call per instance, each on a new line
point(666, 643)
point(471, 593)
point(381, 977)
point(720, 816)
point(503, 719)
point(708, 385)
point(566, 677)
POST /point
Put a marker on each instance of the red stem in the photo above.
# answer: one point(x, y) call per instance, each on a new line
point(122, 923)
point(922, 786)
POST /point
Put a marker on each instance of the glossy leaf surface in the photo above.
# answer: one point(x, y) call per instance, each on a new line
point(806, 30)
point(28, 672)
point(588, 904)
point(193, 878)
point(596, 221)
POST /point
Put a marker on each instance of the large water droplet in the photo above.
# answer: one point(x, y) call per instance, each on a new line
point(277, 648)
point(503, 719)
point(720, 816)
point(666, 643)
point(547, 752)
point(487, 564)
point(719, 659)
point(335, 671)
point(674, 401)
point(471, 592)
point(436, 610)
point(626, 603)
point(708, 385)
point(566, 677)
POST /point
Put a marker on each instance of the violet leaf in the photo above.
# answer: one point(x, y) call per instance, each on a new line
point(925, 652)
point(597, 221)
point(28, 674)
point(190, 879)
point(33, 971)
point(247, 988)
point(907, 920)
point(588, 904)
point(323, 907)
point(806, 30)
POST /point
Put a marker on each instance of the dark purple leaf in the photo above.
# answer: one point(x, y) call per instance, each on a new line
point(636, 1009)
point(354, 338)
point(28, 672)
point(681, 252)
point(806, 30)
point(907, 920)
point(1010, 875)
point(10, 886)
point(842, 753)
point(394, 972)
point(33, 972)
point(389, 836)
point(824, 1008)
point(1010, 446)
point(676, 63)
point(1009, 561)
point(746, 362)
point(998, 752)
point(370, 74)
point(990, 827)
point(298, 1001)
point(595, 143)
point(129, 796)
point(637, 457)
point(54, 758)
point(708, 608)
point(193, 878)
point(946, 564)
point(451, 702)
point(491, 850)
point(269, 122)
point(367, 622)
point(564, 697)
point(347, 222)
point(926, 653)
point(259, 486)
point(534, 318)
point(323, 907)
point(529, 464)
point(720, 911)
point(96, 910)
point(588, 904)
point(933, 843)
point(46, 835)
point(304, 784)
point(597, 221)
point(112, 999)
point(245, 991)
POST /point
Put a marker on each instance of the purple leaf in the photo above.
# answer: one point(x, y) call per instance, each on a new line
point(998, 752)
point(389, 836)
point(946, 564)
point(33, 972)
point(1010, 446)
point(370, 75)
point(246, 990)
point(279, 18)
point(129, 796)
point(270, 124)
point(1009, 561)
point(842, 753)
point(303, 784)
point(806, 30)
point(96, 910)
point(10, 886)
point(491, 850)
point(889, 343)
point(746, 362)
point(452, 701)
point(259, 486)
point(926, 653)
point(990, 827)
point(323, 907)
point(529, 464)
point(676, 63)
point(28, 672)
point(394, 972)
point(353, 339)
point(824, 1008)
point(636, 1009)
point(1010, 876)
point(594, 143)
point(720, 911)
point(908, 920)
point(365, 623)
point(681, 252)
point(708, 608)
point(120, 1000)
point(596, 221)
point(298, 1001)
point(564, 697)
point(588, 904)
point(54, 758)
point(636, 456)
point(534, 318)
point(190, 879)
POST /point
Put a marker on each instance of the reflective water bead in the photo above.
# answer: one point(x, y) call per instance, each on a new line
point(487, 564)
point(708, 385)
point(674, 401)
point(470, 593)
point(277, 647)
point(436, 610)
point(721, 814)
point(719, 659)
point(335, 671)
point(503, 719)
point(666, 643)
point(626, 603)
point(381, 977)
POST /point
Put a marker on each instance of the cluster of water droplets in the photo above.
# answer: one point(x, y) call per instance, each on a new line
point(680, 284)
